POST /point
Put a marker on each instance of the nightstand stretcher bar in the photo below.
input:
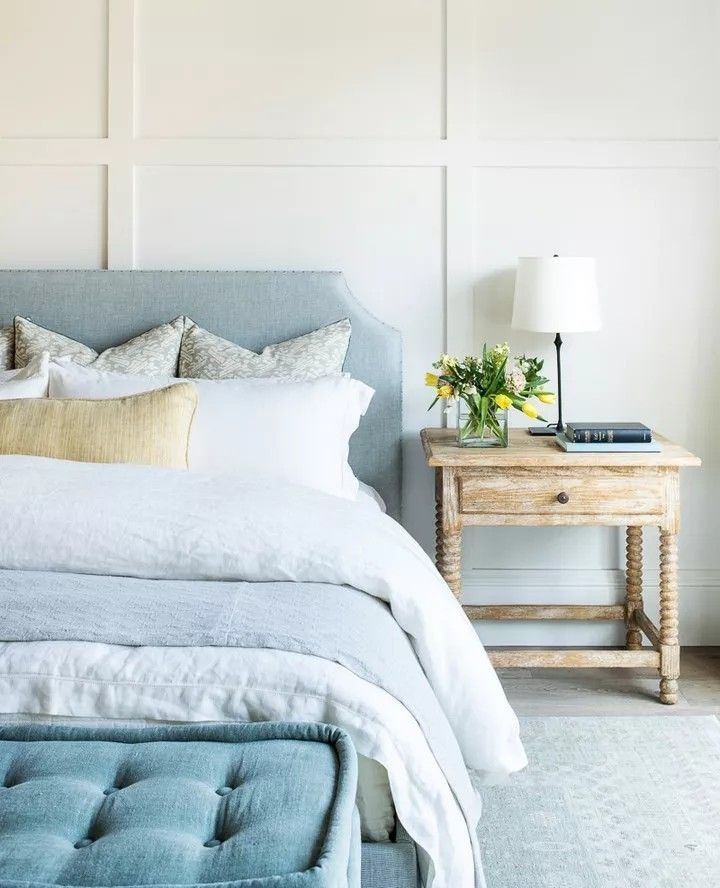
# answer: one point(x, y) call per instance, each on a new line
point(545, 611)
point(571, 658)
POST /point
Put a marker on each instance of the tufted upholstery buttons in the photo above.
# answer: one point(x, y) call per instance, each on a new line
point(153, 808)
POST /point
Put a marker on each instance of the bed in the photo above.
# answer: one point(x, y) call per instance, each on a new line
point(332, 613)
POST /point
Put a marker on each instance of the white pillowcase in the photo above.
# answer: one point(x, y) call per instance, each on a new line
point(296, 432)
point(370, 497)
point(30, 382)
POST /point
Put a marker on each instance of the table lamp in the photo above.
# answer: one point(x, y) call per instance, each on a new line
point(556, 294)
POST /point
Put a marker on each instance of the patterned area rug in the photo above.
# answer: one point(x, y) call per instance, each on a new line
point(608, 803)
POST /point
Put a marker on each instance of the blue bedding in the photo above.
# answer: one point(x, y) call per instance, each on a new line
point(337, 623)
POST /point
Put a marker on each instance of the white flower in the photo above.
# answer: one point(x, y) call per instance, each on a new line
point(499, 353)
point(515, 380)
point(447, 363)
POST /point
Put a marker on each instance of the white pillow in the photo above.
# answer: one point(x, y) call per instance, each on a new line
point(30, 382)
point(297, 432)
point(368, 496)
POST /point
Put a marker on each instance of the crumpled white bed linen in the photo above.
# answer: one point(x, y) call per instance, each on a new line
point(141, 521)
point(100, 681)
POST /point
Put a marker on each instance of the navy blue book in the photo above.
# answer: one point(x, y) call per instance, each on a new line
point(608, 433)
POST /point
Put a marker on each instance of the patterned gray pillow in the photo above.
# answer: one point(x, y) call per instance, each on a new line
point(204, 355)
point(154, 353)
point(7, 348)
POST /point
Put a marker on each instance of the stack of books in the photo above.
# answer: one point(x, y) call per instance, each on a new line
point(607, 437)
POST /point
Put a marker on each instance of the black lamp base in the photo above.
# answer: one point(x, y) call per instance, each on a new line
point(554, 427)
point(544, 431)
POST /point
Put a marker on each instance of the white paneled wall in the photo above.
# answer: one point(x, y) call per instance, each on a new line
point(49, 213)
point(578, 69)
point(53, 68)
point(277, 69)
point(420, 146)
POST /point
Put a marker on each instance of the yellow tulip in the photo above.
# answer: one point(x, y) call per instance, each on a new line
point(546, 397)
point(529, 410)
point(445, 391)
point(432, 379)
point(503, 401)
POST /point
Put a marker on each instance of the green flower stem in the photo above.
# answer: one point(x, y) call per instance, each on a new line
point(481, 418)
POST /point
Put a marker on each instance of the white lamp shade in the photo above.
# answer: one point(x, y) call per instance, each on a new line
point(556, 295)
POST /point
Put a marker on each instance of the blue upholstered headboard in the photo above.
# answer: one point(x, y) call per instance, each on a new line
point(252, 308)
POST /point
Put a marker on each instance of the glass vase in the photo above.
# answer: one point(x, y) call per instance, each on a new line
point(482, 424)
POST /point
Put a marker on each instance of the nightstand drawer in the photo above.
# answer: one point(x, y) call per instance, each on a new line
point(565, 491)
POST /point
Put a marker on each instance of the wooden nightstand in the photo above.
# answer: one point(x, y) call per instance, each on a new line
point(533, 482)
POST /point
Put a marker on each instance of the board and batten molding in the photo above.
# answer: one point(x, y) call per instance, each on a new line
point(77, 195)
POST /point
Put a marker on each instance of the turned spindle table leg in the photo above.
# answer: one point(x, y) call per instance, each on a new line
point(669, 647)
point(448, 532)
point(633, 586)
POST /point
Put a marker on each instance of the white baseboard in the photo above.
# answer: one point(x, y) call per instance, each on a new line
point(699, 604)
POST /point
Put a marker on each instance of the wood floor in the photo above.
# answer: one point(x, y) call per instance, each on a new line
point(616, 691)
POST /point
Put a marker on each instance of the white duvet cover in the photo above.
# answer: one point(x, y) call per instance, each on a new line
point(141, 521)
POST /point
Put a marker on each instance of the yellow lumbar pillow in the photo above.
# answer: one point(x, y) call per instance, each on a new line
point(151, 428)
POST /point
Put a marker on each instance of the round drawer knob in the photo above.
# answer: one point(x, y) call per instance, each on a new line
point(563, 498)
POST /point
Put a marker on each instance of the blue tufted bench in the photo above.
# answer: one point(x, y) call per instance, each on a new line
point(234, 806)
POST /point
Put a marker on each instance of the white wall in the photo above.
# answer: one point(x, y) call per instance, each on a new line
point(420, 146)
